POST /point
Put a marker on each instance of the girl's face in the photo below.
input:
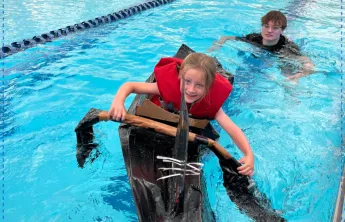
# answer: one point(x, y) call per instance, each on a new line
point(194, 86)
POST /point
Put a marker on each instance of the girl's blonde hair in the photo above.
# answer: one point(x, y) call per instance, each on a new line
point(202, 62)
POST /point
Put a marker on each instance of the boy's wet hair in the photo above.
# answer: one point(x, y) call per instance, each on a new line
point(276, 17)
point(202, 62)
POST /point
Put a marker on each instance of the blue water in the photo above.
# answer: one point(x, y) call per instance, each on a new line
point(293, 127)
point(26, 18)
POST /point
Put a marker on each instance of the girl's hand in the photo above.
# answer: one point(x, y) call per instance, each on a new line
point(117, 110)
point(247, 167)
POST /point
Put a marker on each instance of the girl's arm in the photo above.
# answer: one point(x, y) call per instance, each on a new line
point(117, 109)
point(240, 140)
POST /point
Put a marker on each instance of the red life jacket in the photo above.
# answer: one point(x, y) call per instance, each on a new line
point(166, 74)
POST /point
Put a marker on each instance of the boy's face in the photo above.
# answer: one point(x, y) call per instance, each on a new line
point(271, 32)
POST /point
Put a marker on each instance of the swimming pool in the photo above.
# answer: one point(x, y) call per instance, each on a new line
point(293, 128)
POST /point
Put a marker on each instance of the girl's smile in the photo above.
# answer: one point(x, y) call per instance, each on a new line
point(194, 86)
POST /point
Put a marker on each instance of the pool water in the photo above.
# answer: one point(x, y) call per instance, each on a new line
point(25, 19)
point(293, 127)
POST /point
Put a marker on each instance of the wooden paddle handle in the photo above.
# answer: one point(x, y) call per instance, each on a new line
point(167, 130)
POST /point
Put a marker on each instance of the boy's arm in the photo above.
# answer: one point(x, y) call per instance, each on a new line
point(240, 140)
point(117, 110)
point(218, 44)
point(307, 68)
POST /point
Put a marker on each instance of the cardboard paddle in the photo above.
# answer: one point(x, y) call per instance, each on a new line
point(84, 130)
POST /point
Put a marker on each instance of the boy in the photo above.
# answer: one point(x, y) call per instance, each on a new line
point(272, 39)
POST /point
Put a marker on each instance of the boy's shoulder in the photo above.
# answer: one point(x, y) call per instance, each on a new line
point(252, 37)
point(289, 47)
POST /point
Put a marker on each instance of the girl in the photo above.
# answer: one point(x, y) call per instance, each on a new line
point(201, 84)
